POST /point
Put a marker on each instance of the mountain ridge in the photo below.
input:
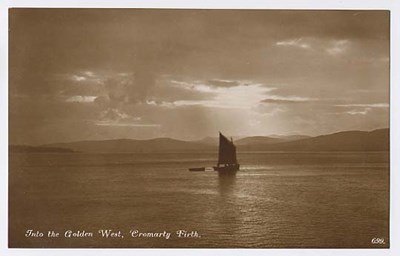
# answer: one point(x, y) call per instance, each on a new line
point(354, 140)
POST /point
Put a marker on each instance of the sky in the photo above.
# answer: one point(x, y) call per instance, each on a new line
point(96, 74)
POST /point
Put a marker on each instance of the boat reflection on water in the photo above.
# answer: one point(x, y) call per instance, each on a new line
point(226, 185)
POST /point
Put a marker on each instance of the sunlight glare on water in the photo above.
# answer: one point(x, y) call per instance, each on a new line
point(277, 200)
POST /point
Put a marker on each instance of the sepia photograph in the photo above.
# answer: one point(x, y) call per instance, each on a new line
point(198, 128)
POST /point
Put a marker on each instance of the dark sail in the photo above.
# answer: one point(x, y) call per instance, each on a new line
point(227, 151)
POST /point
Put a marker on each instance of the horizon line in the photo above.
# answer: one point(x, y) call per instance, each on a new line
point(196, 140)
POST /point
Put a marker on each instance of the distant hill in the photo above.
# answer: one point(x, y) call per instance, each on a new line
point(208, 141)
point(377, 140)
point(127, 145)
point(290, 137)
point(263, 143)
point(24, 149)
point(257, 140)
point(273, 139)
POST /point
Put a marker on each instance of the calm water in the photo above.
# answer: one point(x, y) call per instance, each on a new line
point(277, 200)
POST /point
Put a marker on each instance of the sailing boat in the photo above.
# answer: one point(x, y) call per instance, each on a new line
point(227, 162)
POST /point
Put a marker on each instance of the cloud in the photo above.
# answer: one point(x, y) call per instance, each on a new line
point(173, 90)
point(223, 83)
point(371, 105)
point(80, 77)
point(228, 93)
point(119, 124)
point(111, 87)
point(78, 98)
point(121, 88)
point(362, 109)
point(298, 43)
point(113, 114)
point(245, 95)
point(118, 118)
point(338, 47)
point(358, 112)
point(328, 45)
point(89, 73)
point(286, 100)
point(325, 45)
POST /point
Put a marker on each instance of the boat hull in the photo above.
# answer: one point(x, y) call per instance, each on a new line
point(227, 169)
point(199, 169)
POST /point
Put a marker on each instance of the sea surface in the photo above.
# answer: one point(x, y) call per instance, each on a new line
point(277, 200)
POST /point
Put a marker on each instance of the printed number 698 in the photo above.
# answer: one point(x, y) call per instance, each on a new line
point(378, 240)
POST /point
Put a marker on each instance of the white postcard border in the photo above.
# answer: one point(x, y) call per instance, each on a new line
point(393, 6)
